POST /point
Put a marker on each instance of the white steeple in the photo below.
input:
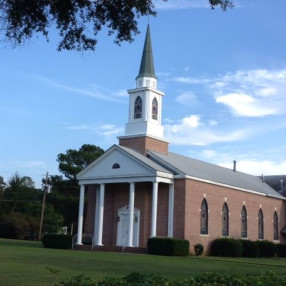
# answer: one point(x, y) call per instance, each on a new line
point(145, 102)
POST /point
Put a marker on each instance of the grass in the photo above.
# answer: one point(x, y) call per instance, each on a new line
point(27, 263)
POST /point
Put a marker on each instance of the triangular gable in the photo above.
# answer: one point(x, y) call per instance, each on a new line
point(115, 163)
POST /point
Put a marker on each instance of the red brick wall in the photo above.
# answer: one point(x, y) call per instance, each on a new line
point(88, 222)
point(144, 143)
point(216, 196)
point(187, 202)
point(179, 208)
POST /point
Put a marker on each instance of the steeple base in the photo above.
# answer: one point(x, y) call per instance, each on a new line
point(142, 143)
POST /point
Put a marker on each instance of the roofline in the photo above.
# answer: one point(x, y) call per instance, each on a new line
point(120, 149)
point(227, 186)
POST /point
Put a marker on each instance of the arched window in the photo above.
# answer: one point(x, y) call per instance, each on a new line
point(204, 217)
point(116, 166)
point(243, 222)
point(225, 220)
point(138, 107)
point(260, 225)
point(155, 108)
point(275, 226)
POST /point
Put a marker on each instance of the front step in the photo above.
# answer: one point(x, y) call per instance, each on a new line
point(111, 248)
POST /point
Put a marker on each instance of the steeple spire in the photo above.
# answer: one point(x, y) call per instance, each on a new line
point(147, 64)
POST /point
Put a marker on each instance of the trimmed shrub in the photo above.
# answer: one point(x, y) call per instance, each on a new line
point(135, 278)
point(249, 248)
point(168, 246)
point(281, 250)
point(198, 249)
point(59, 241)
point(266, 248)
point(226, 247)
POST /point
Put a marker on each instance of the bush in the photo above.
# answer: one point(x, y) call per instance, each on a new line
point(226, 247)
point(80, 280)
point(266, 248)
point(168, 246)
point(250, 279)
point(59, 241)
point(135, 278)
point(198, 249)
point(249, 248)
point(204, 279)
point(281, 250)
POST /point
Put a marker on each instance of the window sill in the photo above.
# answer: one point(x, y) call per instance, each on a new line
point(204, 235)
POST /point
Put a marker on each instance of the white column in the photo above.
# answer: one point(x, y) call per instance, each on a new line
point(171, 210)
point(100, 214)
point(80, 215)
point(96, 216)
point(154, 209)
point(131, 214)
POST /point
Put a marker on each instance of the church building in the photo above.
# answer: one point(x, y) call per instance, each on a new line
point(138, 189)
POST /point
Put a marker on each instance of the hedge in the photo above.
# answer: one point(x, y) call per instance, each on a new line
point(168, 246)
point(249, 248)
point(281, 250)
point(59, 241)
point(266, 248)
point(226, 247)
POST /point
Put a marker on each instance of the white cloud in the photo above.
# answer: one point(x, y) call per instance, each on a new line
point(186, 98)
point(247, 93)
point(108, 130)
point(253, 93)
point(181, 4)
point(95, 91)
point(104, 130)
point(191, 80)
point(191, 131)
point(245, 105)
point(257, 168)
point(209, 153)
point(212, 122)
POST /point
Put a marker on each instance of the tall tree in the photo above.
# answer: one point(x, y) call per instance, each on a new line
point(78, 21)
point(20, 189)
point(73, 161)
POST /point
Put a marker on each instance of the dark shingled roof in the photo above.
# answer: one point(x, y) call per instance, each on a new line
point(182, 165)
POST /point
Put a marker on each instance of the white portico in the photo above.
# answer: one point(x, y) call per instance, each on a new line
point(122, 165)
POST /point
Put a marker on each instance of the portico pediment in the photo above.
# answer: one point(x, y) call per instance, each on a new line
point(114, 164)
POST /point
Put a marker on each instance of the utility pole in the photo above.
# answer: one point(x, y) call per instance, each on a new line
point(46, 189)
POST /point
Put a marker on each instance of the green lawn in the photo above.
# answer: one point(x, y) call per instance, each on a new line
point(27, 263)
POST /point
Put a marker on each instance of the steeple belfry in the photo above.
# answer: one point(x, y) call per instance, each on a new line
point(145, 107)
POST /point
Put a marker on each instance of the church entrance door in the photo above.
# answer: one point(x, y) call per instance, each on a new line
point(123, 225)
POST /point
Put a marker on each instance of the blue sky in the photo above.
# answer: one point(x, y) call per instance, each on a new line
point(223, 74)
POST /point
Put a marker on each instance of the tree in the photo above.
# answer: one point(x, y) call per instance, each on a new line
point(78, 22)
point(20, 189)
point(73, 161)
